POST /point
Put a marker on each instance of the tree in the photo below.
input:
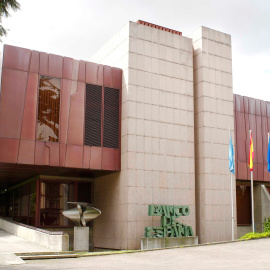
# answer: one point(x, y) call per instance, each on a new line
point(5, 5)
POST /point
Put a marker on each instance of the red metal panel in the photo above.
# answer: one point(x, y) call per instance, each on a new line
point(95, 160)
point(260, 172)
point(246, 104)
point(75, 70)
point(264, 147)
point(257, 107)
point(76, 116)
point(9, 150)
point(43, 64)
point(55, 65)
point(241, 137)
point(42, 154)
point(259, 139)
point(117, 78)
point(34, 63)
point(30, 108)
point(251, 105)
point(67, 68)
point(267, 104)
point(12, 102)
point(86, 157)
point(26, 152)
point(253, 127)
point(16, 58)
point(62, 154)
point(243, 170)
point(53, 153)
point(108, 159)
point(108, 77)
point(263, 108)
point(91, 73)
point(117, 159)
point(64, 109)
point(74, 156)
point(81, 76)
point(100, 78)
point(247, 127)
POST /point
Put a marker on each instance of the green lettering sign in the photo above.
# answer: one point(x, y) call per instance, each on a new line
point(169, 226)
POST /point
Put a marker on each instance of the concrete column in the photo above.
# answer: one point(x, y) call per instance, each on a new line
point(213, 105)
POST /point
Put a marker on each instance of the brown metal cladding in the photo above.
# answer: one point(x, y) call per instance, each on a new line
point(251, 114)
point(18, 111)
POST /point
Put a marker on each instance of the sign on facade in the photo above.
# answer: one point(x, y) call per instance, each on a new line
point(169, 226)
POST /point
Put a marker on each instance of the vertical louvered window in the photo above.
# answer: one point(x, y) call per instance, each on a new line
point(93, 115)
point(111, 118)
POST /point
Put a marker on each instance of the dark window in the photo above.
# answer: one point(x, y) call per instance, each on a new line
point(111, 118)
point(84, 192)
point(243, 201)
point(54, 200)
point(48, 109)
point(93, 115)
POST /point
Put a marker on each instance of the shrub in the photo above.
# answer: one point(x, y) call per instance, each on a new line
point(255, 235)
point(266, 225)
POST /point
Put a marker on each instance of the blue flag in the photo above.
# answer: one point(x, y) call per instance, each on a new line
point(268, 156)
point(231, 154)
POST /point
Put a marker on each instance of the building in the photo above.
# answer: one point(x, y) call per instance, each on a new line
point(251, 114)
point(145, 122)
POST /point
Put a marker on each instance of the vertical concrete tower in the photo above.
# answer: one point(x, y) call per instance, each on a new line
point(213, 103)
point(157, 134)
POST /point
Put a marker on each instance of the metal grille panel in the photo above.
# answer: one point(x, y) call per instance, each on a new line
point(111, 118)
point(93, 115)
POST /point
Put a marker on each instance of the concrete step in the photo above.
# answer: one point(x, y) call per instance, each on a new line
point(43, 253)
point(48, 256)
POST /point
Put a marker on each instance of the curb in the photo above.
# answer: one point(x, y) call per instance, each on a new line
point(67, 254)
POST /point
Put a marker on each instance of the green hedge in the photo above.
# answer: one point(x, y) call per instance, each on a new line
point(264, 234)
point(255, 235)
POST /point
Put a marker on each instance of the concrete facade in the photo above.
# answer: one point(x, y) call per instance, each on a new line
point(160, 101)
point(157, 134)
point(156, 243)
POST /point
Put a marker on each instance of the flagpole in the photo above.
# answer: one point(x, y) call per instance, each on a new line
point(252, 196)
point(232, 198)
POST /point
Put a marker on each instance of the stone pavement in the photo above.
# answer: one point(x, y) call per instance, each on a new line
point(253, 254)
point(10, 244)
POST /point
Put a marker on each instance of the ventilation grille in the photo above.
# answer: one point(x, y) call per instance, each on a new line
point(111, 118)
point(93, 115)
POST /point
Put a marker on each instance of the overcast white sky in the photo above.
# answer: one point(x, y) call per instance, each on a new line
point(79, 28)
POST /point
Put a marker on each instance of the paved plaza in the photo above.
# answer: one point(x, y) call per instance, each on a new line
point(253, 254)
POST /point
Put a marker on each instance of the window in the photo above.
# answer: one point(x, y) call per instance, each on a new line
point(54, 199)
point(243, 201)
point(111, 118)
point(48, 109)
point(102, 113)
point(93, 115)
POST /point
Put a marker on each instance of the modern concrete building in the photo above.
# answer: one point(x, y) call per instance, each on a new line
point(148, 124)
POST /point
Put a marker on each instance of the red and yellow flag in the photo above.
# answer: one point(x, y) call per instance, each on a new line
point(251, 153)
